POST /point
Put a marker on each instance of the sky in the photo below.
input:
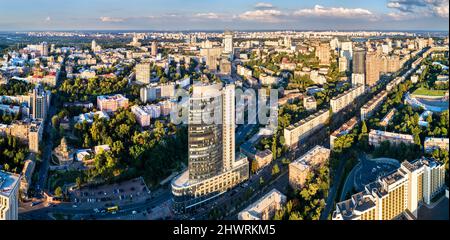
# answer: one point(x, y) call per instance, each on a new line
point(224, 14)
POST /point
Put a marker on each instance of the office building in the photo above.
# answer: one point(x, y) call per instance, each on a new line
point(265, 208)
point(111, 103)
point(303, 166)
point(143, 73)
point(9, 196)
point(299, 131)
point(213, 166)
point(396, 195)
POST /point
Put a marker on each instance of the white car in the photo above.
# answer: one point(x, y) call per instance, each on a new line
point(134, 212)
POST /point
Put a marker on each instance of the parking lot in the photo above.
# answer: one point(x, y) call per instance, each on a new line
point(117, 194)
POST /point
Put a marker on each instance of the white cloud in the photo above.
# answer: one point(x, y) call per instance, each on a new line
point(48, 19)
point(262, 5)
point(208, 15)
point(111, 19)
point(269, 15)
point(336, 12)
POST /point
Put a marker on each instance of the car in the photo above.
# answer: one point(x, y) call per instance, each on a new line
point(74, 206)
point(96, 210)
point(134, 212)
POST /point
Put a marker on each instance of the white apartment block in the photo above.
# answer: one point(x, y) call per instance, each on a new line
point(368, 109)
point(346, 98)
point(9, 196)
point(305, 127)
point(376, 137)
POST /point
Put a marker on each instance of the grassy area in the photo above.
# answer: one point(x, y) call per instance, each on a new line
point(429, 92)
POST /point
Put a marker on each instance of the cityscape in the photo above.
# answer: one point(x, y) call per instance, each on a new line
point(271, 110)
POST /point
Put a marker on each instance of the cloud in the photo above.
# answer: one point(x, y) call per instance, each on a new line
point(334, 12)
point(48, 19)
point(437, 8)
point(111, 19)
point(209, 15)
point(268, 15)
point(263, 5)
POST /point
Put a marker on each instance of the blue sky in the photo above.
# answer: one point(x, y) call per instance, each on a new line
point(220, 14)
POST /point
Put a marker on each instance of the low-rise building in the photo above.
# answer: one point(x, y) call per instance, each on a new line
point(385, 121)
point(343, 130)
point(263, 158)
point(376, 137)
point(111, 103)
point(310, 103)
point(142, 115)
point(430, 144)
point(265, 208)
point(25, 177)
point(300, 168)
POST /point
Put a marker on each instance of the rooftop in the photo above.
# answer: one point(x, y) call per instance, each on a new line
point(8, 181)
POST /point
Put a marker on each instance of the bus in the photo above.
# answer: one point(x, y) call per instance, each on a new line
point(113, 209)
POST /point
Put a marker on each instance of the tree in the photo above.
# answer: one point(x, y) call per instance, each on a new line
point(55, 121)
point(364, 127)
point(78, 182)
point(255, 166)
point(58, 192)
point(275, 169)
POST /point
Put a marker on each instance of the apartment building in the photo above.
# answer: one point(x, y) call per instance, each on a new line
point(346, 98)
point(430, 144)
point(26, 131)
point(111, 103)
point(376, 137)
point(370, 107)
point(265, 208)
point(343, 130)
point(299, 131)
point(300, 168)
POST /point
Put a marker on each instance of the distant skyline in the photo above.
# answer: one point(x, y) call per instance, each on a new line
point(171, 15)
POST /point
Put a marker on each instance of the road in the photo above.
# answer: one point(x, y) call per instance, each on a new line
point(329, 205)
point(47, 152)
point(42, 213)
